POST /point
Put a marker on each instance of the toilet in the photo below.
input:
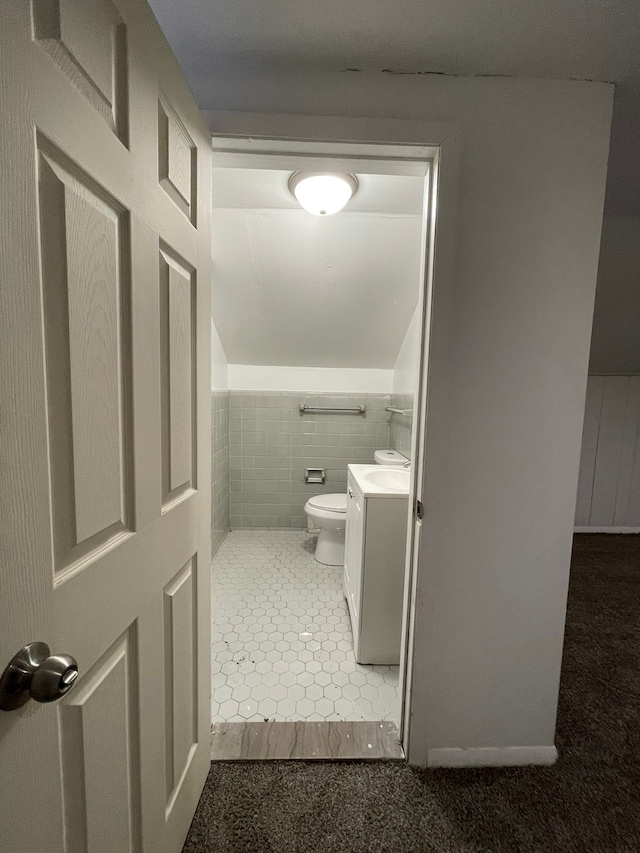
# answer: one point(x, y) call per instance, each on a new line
point(329, 514)
point(389, 457)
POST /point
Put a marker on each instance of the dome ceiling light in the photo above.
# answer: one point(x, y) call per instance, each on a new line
point(322, 194)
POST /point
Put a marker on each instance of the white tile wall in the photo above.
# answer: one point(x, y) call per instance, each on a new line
point(282, 647)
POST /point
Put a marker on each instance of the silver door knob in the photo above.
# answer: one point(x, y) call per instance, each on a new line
point(34, 673)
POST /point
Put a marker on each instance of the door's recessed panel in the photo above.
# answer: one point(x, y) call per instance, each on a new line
point(88, 42)
point(177, 288)
point(177, 160)
point(180, 656)
point(98, 732)
point(85, 260)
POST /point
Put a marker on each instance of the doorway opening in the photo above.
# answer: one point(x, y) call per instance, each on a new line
point(315, 447)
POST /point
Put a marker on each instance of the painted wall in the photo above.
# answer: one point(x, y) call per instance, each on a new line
point(219, 468)
point(510, 380)
point(219, 365)
point(615, 341)
point(272, 443)
point(246, 377)
point(219, 442)
point(623, 178)
point(405, 377)
point(609, 483)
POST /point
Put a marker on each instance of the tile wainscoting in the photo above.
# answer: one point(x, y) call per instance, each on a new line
point(271, 444)
point(400, 425)
point(219, 468)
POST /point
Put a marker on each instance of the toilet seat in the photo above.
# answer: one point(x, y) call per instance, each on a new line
point(329, 503)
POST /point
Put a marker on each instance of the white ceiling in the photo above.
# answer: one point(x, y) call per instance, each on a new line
point(267, 189)
point(293, 289)
point(228, 48)
point(584, 39)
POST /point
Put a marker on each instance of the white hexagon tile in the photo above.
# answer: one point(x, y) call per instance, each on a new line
point(282, 647)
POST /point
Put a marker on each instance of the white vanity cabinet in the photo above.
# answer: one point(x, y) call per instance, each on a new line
point(375, 545)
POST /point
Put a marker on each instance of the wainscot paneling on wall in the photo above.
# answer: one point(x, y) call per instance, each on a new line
point(272, 443)
point(609, 483)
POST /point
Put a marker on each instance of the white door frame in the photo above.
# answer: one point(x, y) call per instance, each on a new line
point(294, 142)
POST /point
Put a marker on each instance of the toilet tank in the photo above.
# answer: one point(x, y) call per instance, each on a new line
point(389, 457)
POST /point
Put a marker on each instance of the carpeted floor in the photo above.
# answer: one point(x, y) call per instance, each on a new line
point(589, 801)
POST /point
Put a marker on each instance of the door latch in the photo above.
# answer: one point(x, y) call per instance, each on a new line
point(419, 509)
point(34, 673)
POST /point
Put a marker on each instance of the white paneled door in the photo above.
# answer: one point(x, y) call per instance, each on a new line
point(104, 313)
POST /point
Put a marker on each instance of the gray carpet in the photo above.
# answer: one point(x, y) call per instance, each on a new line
point(589, 801)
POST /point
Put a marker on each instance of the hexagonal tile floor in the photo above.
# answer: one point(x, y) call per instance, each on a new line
point(282, 647)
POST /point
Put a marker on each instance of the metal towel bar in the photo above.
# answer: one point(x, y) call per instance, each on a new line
point(354, 410)
point(395, 411)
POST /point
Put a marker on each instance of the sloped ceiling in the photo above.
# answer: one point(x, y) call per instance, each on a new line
point(292, 289)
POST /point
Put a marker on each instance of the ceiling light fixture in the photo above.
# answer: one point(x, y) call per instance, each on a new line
point(322, 194)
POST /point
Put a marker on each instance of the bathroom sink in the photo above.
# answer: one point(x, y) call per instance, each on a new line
point(392, 478)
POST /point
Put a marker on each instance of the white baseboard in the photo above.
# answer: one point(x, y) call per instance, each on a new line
point(606, 529)
point(492, 756)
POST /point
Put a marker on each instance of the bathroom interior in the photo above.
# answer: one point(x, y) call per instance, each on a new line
point(316, 322)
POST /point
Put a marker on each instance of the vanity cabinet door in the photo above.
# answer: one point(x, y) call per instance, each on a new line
point(354, 554)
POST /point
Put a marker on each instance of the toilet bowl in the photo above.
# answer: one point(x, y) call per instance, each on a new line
point(328, 513)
